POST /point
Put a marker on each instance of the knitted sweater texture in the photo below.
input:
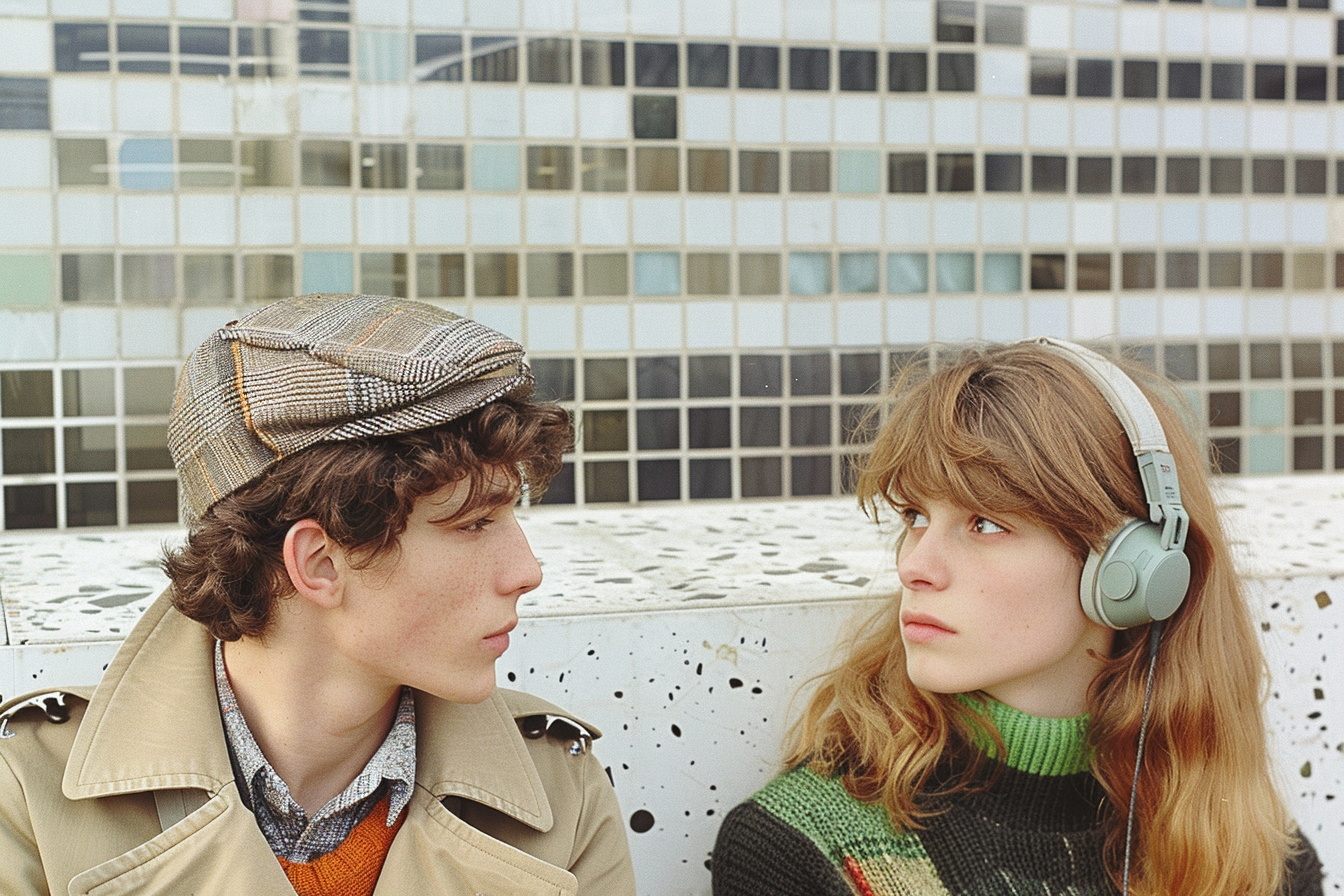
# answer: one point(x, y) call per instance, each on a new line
point(352, 868)
point(1035, 831)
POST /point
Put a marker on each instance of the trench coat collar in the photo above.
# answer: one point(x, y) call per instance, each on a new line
point(154, 724)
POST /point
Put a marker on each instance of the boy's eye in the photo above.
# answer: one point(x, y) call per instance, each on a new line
point(914, 519)
point(986, 527)
point(478, 525)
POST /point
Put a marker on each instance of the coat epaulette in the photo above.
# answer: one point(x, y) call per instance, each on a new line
point(54, 704)
point(538, 718)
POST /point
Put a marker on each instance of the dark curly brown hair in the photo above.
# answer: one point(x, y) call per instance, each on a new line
point(231, 570)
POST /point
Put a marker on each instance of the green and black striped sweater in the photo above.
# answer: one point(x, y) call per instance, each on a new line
point(1036, 832)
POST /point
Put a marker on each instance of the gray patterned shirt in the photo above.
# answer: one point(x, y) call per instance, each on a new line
point(292, 835)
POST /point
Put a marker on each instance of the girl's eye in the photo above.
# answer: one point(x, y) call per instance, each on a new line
point(914, 519)
point(986, 527)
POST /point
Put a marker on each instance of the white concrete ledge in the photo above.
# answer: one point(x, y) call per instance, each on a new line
point(683, 632)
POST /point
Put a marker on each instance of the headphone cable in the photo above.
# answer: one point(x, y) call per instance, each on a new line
point(1154, 636)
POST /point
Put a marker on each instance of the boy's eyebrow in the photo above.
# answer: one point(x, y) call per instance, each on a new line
point(496, 495)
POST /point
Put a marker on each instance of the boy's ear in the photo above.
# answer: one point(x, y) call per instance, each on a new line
point(310, 561)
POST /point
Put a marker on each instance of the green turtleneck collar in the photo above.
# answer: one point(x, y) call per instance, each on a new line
point(1038, 746)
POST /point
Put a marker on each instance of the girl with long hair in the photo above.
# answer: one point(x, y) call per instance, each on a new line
point(983, 735)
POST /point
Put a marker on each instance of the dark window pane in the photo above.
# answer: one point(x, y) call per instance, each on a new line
point(1268, 176)
point(1225, 270)
point(709, 427)
point(1266, 360)
point(758, 67)
point(1003, 173)
point(1226, 176)
point(605, 431)
point(1227, 80)
point(757, 171)
point(1306, 360)
point(143, 48)
point(809, 68)
point(81, 47)
point(656, 65)
point(810, 374)
point(709, 376)
point(606, 481)
point(658, 377)
point(656, 169)
point(604, 169)
point(1181, 362)
point(956, 21)
point(555, 378)
point(1095, 77)
point(25, 104)
point(1182, 174)
point(659, 480)
point(30, 507)
point(203, 51)
point(260, 53)
point(383, 274)
point(1226, 455)
point(657, 429)
point(907, 72)
point(325, 163)
point(1182, 270)
point(809, 171)
point(324, 52)
point(907, 172)
point(1311, 81)
point(858, 70)
point(27, 451)
point(151, 502)
point(26, 393)
point(655, 117)
point(707, 65)
point(759, 427)
point(440, 167)
point(1138, 174)
point(1093, 271)
point(1140, 79)
point(1047, 271)
point(1004, 25)
point(707, 170)
point(1185, 80)
point(602, 63)
point(91, 504)
point(1309, 177)
point(810, 425)
point(1138, 270)
point(1224, 408)
point(382, 166)
point(441, 276)
point(495, 274)
point(762, 477)
point(1049, 76)
point(1308, 407)
point(811, 476)
point(550, 60)
point(1270, 81)
point(1095, 174)
point(711, 477)
point(860, 374)
point(494, 58)
point(761, 375)
point(438, 57)
point(1224, 362)
point(1049, 174)
point(87, 277)
point(268, 277)
point(956, 172)
point(550, 274)
point(550, 168)
point(956, 71)
point(1308, 453)
point(1267, 270)
point(324, 10)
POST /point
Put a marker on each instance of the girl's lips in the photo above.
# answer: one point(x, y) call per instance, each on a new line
point(920, 628)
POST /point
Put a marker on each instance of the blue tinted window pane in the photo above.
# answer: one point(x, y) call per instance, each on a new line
point(956, 271)
point(328, 272)
point(809, 273)
point(438, 57)
point(81, 47)
point(657, 274)
point(25, 104)
point(858, 272)
point(143, 48)
point(1267, 454)
point(495, 166)
point(1002, 272)
point(203, 51)
point(859, 170)
point(146, 164)
point(907, 272)
point(324, 53)
point(383, 56)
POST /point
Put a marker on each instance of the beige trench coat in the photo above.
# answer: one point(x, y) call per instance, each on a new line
point(492, 813)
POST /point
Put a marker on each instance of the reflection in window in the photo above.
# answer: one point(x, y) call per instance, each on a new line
point(203, 50)
point(324, 52)
point(143, 49)
point(758, 68)
point(761, 376)
point(809, 68)
point(707, 274)
point(706, 65)
point(1140, 79)
point(149, 391)
point(757, 171)
point(907, 273)
point(325, 163)
point(494, 166)
point(266, 163)
point(605, 274)
point(495, 273)
point(858, 70)
point(1049, 76)
point(1004, 25)
point(550, 274)
point(494, 58)
point(550, 60)
point(207, 279)
point(859, 272)
point(1049, 174)
point(657, 429)
point(1093, 271)
point(205, 163)
point(151, 502)
point(907, 172)
point(1185, 80)
point(656, 169)
point(606, 379)
point(1308, 270)
point(440, 167)
point(1001, 272)
point(1183, 174)
point(1224, 362)
point(1227, 80)
point(438, 57)
point(550, 168)
point(1003, 173)
point(91, 449)
point(602, 63)
point(383, 166)
point(809, 171)
point(146, 164)
point(604, 169)
point(148, 279)
point(555, 378)
point(1094, 77)
point(27, 451)
point(956, 71)
point(88, 277)
point(605, 481)
point(1047, 271)
point(956, 21)
point(259, 52)
point(440, 275)
point(30, 506)
point(383, 274)
point(954, 272)
point(956, 172)
point(707, 170)
point(809, 273)
point(762, 477)
point(907, 72)
point(654, 116)
point(656, 65)
point(26, 393)
point(708, 376)
point(657, 273)
point(1094, 175)
point(267, 277)
point(81, 161)
point(81, 47)
point(91, 504)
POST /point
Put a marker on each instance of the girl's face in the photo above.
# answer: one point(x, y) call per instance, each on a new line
point(991, 604)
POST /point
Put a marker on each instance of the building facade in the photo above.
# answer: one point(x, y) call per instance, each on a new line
point(717, 225)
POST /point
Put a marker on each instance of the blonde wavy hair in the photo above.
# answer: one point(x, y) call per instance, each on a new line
point(1015, 430)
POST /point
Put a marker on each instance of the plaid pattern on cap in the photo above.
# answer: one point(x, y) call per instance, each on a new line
point(326, 368)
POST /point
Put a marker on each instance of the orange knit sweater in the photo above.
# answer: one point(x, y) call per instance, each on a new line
point(352, 868)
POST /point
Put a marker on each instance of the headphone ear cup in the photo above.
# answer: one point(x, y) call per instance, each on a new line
point(1132, 580)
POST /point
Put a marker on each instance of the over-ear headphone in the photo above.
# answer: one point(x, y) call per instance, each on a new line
point(1141, 574)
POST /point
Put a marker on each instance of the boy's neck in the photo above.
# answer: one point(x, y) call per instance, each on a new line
point(317, 728)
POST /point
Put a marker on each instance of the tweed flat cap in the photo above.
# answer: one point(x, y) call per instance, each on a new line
point(327, 368)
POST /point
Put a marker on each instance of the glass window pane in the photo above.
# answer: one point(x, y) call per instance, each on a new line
point(656, 169)
point(494, 58)
point(606, 481)
point(1225, 270)
point(1181, 362)
point(758, 274)
point(88, 277)
point(550, 60)
point(494, 166)
point(762, 477)
point(203, 51)
point(324, 10)
point(1185, 80)
point(707, 274)
point(859, 272)
point(1138, 174)
point(1224, 362)
point(761, 376)
point(267, 277)
point(956, 71)
point(149, 390)
point(759, 427)
point(604, 169)
point(1183, 174)
point(707, 170)
point(1267, 270)
point(605, 379)
point(956, 21)
point(81, 47)
point(1309, 408)
point(605, 274)
point(1224, 408)
point(438, 57)
point(809, 273)
point(147, 447)
point(207, 279)
point(810, 476)
point(858, 70)
point(757, 171)
point(1095, 175)
point(87, 393)
point(383, 274)
point(1138, 270)
point(955, 271)
point(148, 279)
point(550, 274)
point(1227, 80)
point(956, 172)
point(602, 63)
point(143, 48)
point(1095, 77)
point(382, 166)
point(1267, 364)
point(262, 52)
point(1268, 176)
point(1049, 174)
point(266, 163)
point(30, 506)
point(658, 377)
point(25, 104)
point(151, 502)
point(555, 378)
point(657, 273)
point(1140, 78)
point(1309, 177)
point(1004, 25)
point(810, 171)
point(809, 68)
point(81, 162)
point(91, 504)
point(384, 57)
point(146, 164)
point(707, 65)
point(440, 167)
point(711, 477)
point(657, 429)
point(709, 427)
point(1001, 272)
point(1003, 173)
point(654, 117)
point(860, 374)
point(907, 72)
point(205, 163)
point(1225, 176)
point(1308, 453)
point(27, 451)
point(858, 170)
point(810, 425)
point(1049, 76)
point(1310, 83)
point(324, 53)
point(1270, 81)
point(907, 272)
point(1306, 359)
point(758, 68)
point(1093, 271)
point(709, 376)
point(550, 168)
point(325, 163)
point(1048, 271)
point(656, 65)
point(659, 480)
point(495, 273)
point(1182, 270)
point(1308, 270)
